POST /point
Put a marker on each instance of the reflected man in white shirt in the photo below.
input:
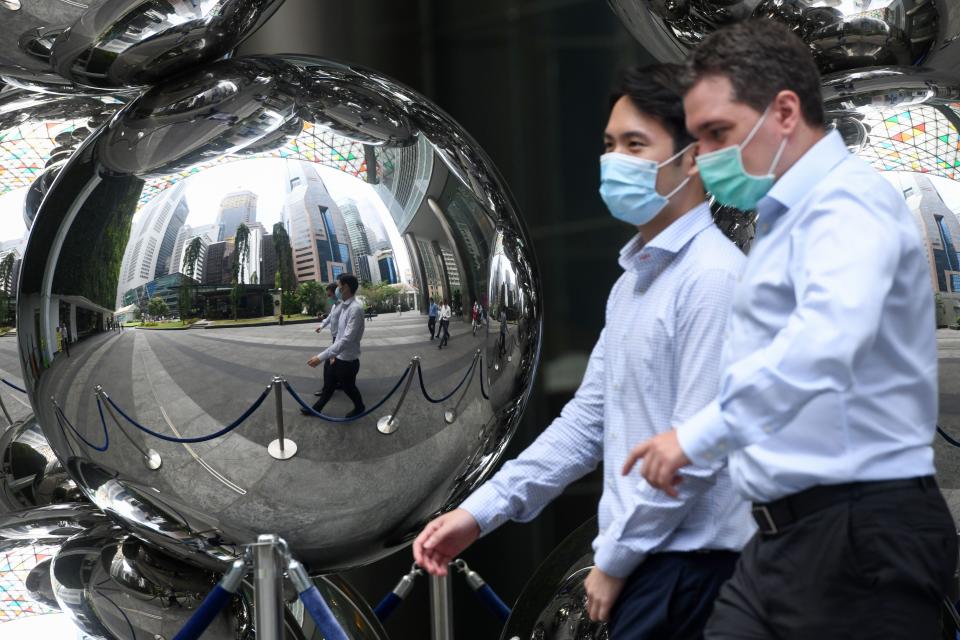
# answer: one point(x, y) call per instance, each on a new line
point(828, 400)
point(660, 560)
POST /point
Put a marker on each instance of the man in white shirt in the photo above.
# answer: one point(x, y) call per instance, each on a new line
point(445, 315)
point(333, 304)
point(827, 404)
point(659, 560)
point(343, 355)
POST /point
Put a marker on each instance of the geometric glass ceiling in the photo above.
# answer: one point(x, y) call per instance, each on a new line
point(917, 138)
point(15, 565)
point(25, 149)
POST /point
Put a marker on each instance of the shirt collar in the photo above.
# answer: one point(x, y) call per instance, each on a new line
point(797, 182)
point(670, 241)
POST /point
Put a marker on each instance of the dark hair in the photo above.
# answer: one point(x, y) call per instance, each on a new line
point(761, 58)
point(350, 281)
point(655, 91)
point(331, 287)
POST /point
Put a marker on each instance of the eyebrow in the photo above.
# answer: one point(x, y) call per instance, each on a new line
point(628, 134)
point(709, 124)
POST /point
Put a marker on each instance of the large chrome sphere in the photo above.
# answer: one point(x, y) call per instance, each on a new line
point(843, 34)
point(30, 473)
point(109, 45)
point(230, 196)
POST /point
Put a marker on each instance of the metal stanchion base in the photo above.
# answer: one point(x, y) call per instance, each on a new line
point(289, 449)
point(387, 425)
point(152, 460)
point(450, 416)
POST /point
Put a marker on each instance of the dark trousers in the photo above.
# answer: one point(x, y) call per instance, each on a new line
point(670, 595)
point(342, 375)
point(872, 566)
point(432, 325)
point(444, 332)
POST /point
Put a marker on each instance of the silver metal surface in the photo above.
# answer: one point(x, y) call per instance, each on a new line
point(343, 170)
point(267, 589)
point(30, 473)
point(842, 34)
point(113, 586)
point(390, 423)
point(109, 45)
point(553, 604)
point(282, 448)
point(441, 608)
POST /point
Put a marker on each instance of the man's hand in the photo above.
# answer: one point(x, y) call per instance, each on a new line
point(443, 539)
point(662, 458)
point(333, 359)
point(317, 330)
point(602, 593)
point(314, 361)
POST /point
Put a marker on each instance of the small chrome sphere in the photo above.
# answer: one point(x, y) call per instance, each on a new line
point(218, 203)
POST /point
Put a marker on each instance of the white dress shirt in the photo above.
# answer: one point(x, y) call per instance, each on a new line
point(830, 368)
point(349, 332)
point(332, 320)
point(657, 362)
point(445, 312)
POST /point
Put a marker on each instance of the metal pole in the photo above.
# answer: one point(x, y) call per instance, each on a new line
point(151, 458)
point(450, 415)
point(282, 448)
point(267, 589)
point(6, 414)
point(390, 422)
point(441, 608)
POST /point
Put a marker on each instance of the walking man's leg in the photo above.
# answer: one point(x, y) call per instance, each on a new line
point(329, 386)
point(347, 375)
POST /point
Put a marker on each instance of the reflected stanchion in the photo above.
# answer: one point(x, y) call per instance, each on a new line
point(282, 448)
point(441, 608)
point(6, 414)
point(390, 422)
point(151, 458)
point(450, 415)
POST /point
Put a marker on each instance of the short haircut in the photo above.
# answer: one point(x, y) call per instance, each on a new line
point(350, 281)
point(655, 91)
point(331, 287)
point(761, 58)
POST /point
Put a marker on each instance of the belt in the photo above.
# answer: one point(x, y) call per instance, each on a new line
point(772, 517)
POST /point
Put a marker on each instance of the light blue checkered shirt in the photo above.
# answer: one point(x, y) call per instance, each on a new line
point(657, 363)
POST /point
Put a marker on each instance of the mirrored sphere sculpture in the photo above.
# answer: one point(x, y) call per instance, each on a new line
point(553, 604)
point(217, 204)
point(110, 45)
point(842, 35)
point(30, 473)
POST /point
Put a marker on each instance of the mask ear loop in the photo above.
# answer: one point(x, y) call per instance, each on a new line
point(776, 158)
point(684, 182)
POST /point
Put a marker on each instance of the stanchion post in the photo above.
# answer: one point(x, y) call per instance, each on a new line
point(151, 457)
point(390, 422)
point(267, 589)
point(282, 448)
point(441, 608)
point(450, 415)
point(6, 413)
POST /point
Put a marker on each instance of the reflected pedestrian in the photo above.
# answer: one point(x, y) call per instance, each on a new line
point(333, 308)
point(445, 314)
point(432, 319)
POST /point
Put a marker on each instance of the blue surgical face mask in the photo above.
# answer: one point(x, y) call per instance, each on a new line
point(725, 177)
point(628, 186)
point(339, 295)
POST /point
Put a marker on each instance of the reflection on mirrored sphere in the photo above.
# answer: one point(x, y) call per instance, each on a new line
point(184, 249)
point(108, 45)
point(842, 35)
point(553, 604)
point(30, 473)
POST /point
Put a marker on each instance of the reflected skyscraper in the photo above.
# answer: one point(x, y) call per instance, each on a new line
point(939, 229)
point(318, 232)
point(152, 240)
point(236, 208)
point(207, 234)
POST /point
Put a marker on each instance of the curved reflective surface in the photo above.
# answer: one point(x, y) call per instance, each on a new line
point(209, 206)
point(843, 34)
point(553, 605)
point(70, 47)
point(30, 473)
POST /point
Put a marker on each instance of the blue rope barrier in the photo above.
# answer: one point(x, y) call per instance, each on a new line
point(946, 436)
point(61, 418)
point(317, 414)
point(426, 395)
point(493, 602)
point(483, 391)
point(322, 616)
point(12, 386)
point(218, 598)
point(387, 606)
point(227, 429)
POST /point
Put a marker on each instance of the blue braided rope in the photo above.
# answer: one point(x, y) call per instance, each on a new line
point(227, 429)
point(61, 418)
point(483, 391)
point(946, 436)
point(426, 395)
point(12, 386)
point(317, 414)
